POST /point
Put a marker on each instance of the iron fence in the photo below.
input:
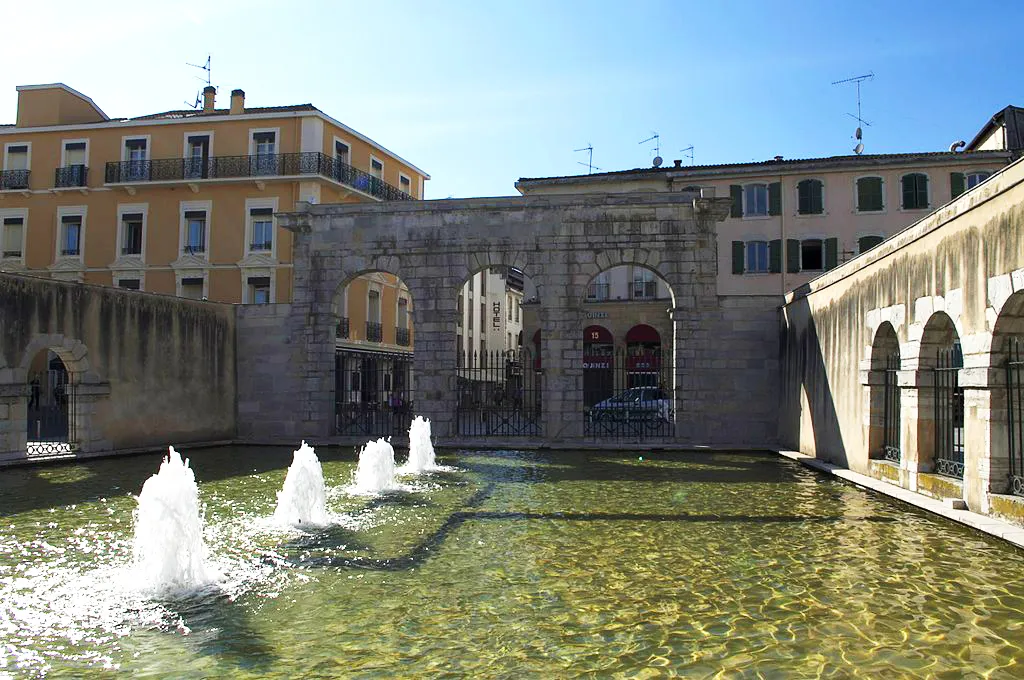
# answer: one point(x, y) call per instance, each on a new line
point(373, 393)
point(374, 332)
point(342, 331)
point(625, 395)
point(14, 179)
point(891, 410)
point(401, 336)
point(1015, 413)
point(499, 394)
point(71, 176)
point(949, 414)
point(257, 165)
point(51, 405)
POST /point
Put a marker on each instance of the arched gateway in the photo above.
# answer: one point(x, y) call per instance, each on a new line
point(559, 243)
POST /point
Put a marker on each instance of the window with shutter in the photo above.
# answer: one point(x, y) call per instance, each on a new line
point(757, 257)
point(957, 184)
point(775, 256)
point(13, 230)
point(737, 257)
point(755, 200)
point(775, 198)
point(915, 191)
point(736, 194)
point(869, 194)
point(810, 199)
point(792, 255)
point(866, 243)
point(976, 178)
point(812, 254)
point(831, 253)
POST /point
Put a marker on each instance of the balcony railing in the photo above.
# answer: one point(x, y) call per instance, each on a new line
point(71, 176)
point(131, 250)
point(342, 331)
point(261, 246)
point(374, 332)
point(14, 179)
point(267, 165)
point(12, 253)
point(402, 336)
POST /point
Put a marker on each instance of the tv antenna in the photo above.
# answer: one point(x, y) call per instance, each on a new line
point(688, 153)
point(205, 68)
point(590, 158)
point(859, 133)
point(656, 162)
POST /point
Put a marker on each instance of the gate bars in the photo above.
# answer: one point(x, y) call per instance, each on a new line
point(1015, 413)
point(949, 413)
point(373, 394)
point(499, 393)
point(625, 395)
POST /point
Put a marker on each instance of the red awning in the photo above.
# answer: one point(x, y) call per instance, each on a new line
point(597, 335)
point(643, 333)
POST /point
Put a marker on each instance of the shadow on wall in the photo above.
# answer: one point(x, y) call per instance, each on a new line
point(807, 402)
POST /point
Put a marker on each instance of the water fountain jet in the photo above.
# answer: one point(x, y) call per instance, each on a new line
point(376, 469)
point(303, 498)
point(421, 450)
point(170, 554)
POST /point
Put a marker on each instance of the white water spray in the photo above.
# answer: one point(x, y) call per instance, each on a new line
point(303, 499)
point(170, 555)
point(376, 469)
point(421, 450)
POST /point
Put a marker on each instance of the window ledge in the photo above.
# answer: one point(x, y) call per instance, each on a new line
point(758, 217)
point(883, 211)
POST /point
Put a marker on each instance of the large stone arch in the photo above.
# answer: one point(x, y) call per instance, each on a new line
point(885, 349)
point(559, 242)
point(940, 334)
point(1007, 332)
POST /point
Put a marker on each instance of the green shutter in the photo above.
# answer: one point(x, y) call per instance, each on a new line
point(869, 194)
point(922, 191)
point(817, 197)
point(775, 256)
point(909, 194)
point(831, 253)
point(736, 193)
point(737, 257)
point(866, 243)
point(775, 198)
point(792, 255)
point(803, 197)
point(957, 184)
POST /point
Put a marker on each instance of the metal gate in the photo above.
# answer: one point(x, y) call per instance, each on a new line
point(51, 403)
point(949, 413)
point(891, 410)
point(625, 396)
point(373, 393)
point(499, 394)
point(1015, 413)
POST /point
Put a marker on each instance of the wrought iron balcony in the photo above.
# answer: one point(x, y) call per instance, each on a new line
point(261, 246)
point(264, 165)
point(12, 253)
point(374, 332)
point(71, 176)
point(402, 336)
point(72, 251)
point(342, 331)
point(14, 179)
point(131, 250)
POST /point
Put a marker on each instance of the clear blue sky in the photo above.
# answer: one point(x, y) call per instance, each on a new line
point(481, 93)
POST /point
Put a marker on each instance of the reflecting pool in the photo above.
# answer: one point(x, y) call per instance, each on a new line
point(509, 564)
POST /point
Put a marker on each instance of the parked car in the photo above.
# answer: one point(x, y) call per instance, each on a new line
point(636, 403)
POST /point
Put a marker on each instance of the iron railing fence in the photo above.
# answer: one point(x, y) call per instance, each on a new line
point(258, 165)
point(499, 394)
point(14, 179)
point(401, 336)
point(625, 395)
point(1015, 413)
point(342, 330)
point(373, 393)
point(374, 332)
point(891, 410)
point(51, 409)
point(949, 413)
point(71, 176)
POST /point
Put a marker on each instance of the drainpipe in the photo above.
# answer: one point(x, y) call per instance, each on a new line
point(782, 229)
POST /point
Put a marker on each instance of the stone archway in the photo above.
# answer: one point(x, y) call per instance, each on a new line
point(1006, 399)
point(884, 421)
point(940, 422)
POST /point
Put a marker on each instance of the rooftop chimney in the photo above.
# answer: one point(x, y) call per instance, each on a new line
point(778, 158)
point(237, 102)
point(209, 92)
point(677, 163)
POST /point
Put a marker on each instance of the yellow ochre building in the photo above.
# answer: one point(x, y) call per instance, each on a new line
point(182, 202)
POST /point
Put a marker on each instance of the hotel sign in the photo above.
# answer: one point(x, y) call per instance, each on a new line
point(496, 315)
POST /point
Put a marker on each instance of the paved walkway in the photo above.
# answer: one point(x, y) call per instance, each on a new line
point(989, 525)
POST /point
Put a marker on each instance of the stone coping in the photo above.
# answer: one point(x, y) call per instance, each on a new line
point(990, 525)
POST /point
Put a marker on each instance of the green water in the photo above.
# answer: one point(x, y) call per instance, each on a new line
point(511, 565)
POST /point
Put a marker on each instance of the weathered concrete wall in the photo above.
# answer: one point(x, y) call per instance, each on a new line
point(148, 370)
point(957, 274)
point(560, 243)
point(269, 393)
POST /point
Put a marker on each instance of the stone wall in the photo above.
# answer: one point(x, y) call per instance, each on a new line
point(955, 276)
point(147, 370)
point(560, 243)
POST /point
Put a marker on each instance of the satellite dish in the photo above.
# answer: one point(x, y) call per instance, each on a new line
point(857, 134)
point(859, 149)
point(657, 161)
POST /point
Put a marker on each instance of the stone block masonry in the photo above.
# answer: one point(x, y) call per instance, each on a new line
point(560, 243)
